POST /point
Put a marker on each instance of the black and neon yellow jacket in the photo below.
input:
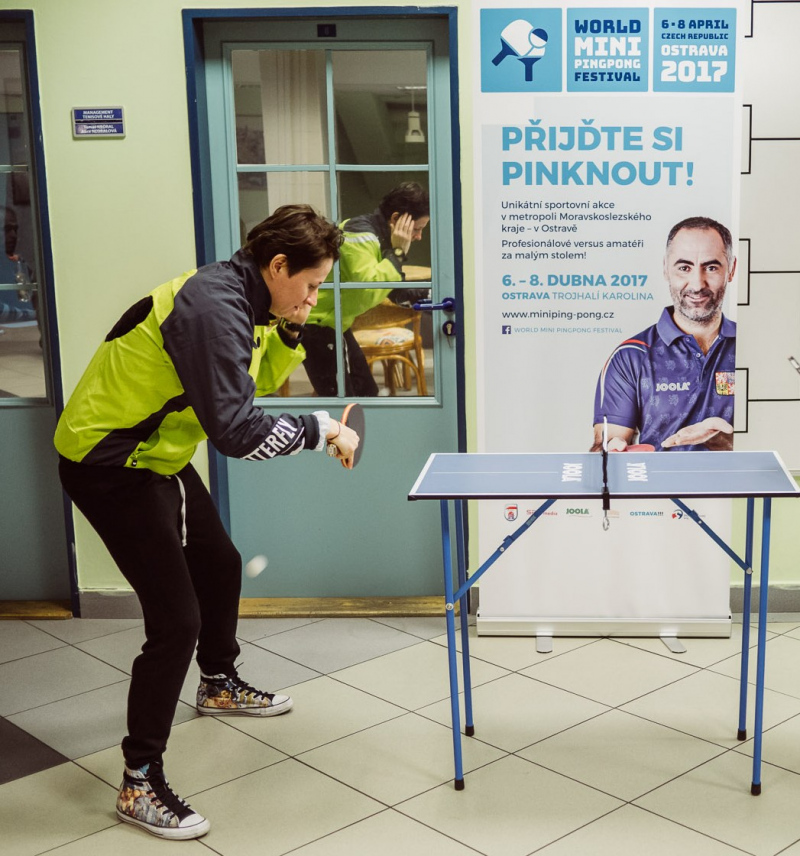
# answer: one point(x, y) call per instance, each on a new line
point(183, 365)
point(366, 256)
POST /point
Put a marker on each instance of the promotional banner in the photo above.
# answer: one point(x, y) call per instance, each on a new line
point(607, 176)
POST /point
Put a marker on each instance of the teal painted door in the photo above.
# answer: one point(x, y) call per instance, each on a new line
point(337, 122)
point(33, 540)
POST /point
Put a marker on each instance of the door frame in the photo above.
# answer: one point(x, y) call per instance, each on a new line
point(24, 19)
point(194, 21)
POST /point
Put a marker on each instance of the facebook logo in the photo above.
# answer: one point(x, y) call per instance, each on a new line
point(506, 329)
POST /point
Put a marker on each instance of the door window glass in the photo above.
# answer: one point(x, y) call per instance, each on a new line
point(381, 107)
point(22, 367)
point(372, 104)
point(280, 102)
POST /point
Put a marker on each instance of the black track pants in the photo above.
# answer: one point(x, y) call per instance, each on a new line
point(189, 594)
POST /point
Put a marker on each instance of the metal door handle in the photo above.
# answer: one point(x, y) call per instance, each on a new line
point(448, 304)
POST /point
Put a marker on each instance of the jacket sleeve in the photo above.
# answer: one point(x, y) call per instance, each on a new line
point(210, 340)
point(274, 360)
point(361, 260)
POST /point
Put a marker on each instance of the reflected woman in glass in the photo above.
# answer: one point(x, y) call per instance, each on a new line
point(375, 247)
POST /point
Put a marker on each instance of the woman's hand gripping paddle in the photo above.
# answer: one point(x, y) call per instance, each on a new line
point(352, 418)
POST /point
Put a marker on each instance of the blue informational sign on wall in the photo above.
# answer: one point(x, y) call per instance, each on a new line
point(607, 50)
point(98, 122)
point(521, 50)
point(695, 50)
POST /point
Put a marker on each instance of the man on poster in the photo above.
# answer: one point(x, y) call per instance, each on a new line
point(673, 384)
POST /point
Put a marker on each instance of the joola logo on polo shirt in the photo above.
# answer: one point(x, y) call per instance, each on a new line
point(673, 387)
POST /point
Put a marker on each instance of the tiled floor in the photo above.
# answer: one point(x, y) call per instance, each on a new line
point(605, 746)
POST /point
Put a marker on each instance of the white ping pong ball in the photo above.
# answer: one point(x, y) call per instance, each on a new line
point(255, 566)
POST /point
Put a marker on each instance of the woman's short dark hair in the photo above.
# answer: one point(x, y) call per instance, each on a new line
point(305, 237)
point(407, 198)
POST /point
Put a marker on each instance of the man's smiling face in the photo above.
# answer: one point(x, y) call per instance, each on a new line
point(698, 271)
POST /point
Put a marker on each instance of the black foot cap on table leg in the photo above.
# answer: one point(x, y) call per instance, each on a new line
point(755, 789)
point(741, 734)
point(469, 730)
point(459, 784)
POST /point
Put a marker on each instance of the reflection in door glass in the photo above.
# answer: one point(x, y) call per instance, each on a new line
point(21, 358)
point(361, 193)
point(261, 193)
point(395, 341)
point(386, 347)
point(376, 107)
point(381, 104)
point(279, 98)
point(280, 104)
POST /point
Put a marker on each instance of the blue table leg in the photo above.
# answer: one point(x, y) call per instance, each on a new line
point(755, 788)
point(451, 643)
point(748, 586)
point(469, 727)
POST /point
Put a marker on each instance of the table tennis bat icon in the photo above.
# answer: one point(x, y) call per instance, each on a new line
point(526, 43)
point(514, 40)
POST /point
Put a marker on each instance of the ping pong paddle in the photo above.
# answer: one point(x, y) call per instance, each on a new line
point(641, 447)
point(515, 40)
point(353, 418)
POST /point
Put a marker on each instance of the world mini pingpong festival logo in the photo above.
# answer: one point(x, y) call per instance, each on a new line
point(521, 50)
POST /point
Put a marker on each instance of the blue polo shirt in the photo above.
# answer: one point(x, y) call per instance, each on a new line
point(660, 381)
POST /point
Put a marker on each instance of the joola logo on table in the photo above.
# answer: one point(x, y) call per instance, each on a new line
point(673, 387)
point(577, 511)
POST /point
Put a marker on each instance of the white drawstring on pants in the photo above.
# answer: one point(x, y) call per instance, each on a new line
point(183, 511)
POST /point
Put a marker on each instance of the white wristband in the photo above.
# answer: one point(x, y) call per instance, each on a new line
point(324, 420)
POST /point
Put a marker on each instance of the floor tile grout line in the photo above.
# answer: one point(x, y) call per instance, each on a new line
point(370, 796)
point(9, 716)
point(370, 659)
point(285, 760)
point(696, 831)
point(383, 811)
point(644, 793)
point(307, 623)
point(428, 826)
point(787, 847)
point(578, 828)
point(35, 654)
point(29, 622)
point(321, 745)
point(690, 828)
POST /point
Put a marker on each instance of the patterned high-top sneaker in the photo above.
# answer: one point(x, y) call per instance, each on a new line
point(223, 695)
point(146, 799)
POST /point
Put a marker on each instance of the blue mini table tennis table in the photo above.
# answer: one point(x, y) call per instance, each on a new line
point(677, 476)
